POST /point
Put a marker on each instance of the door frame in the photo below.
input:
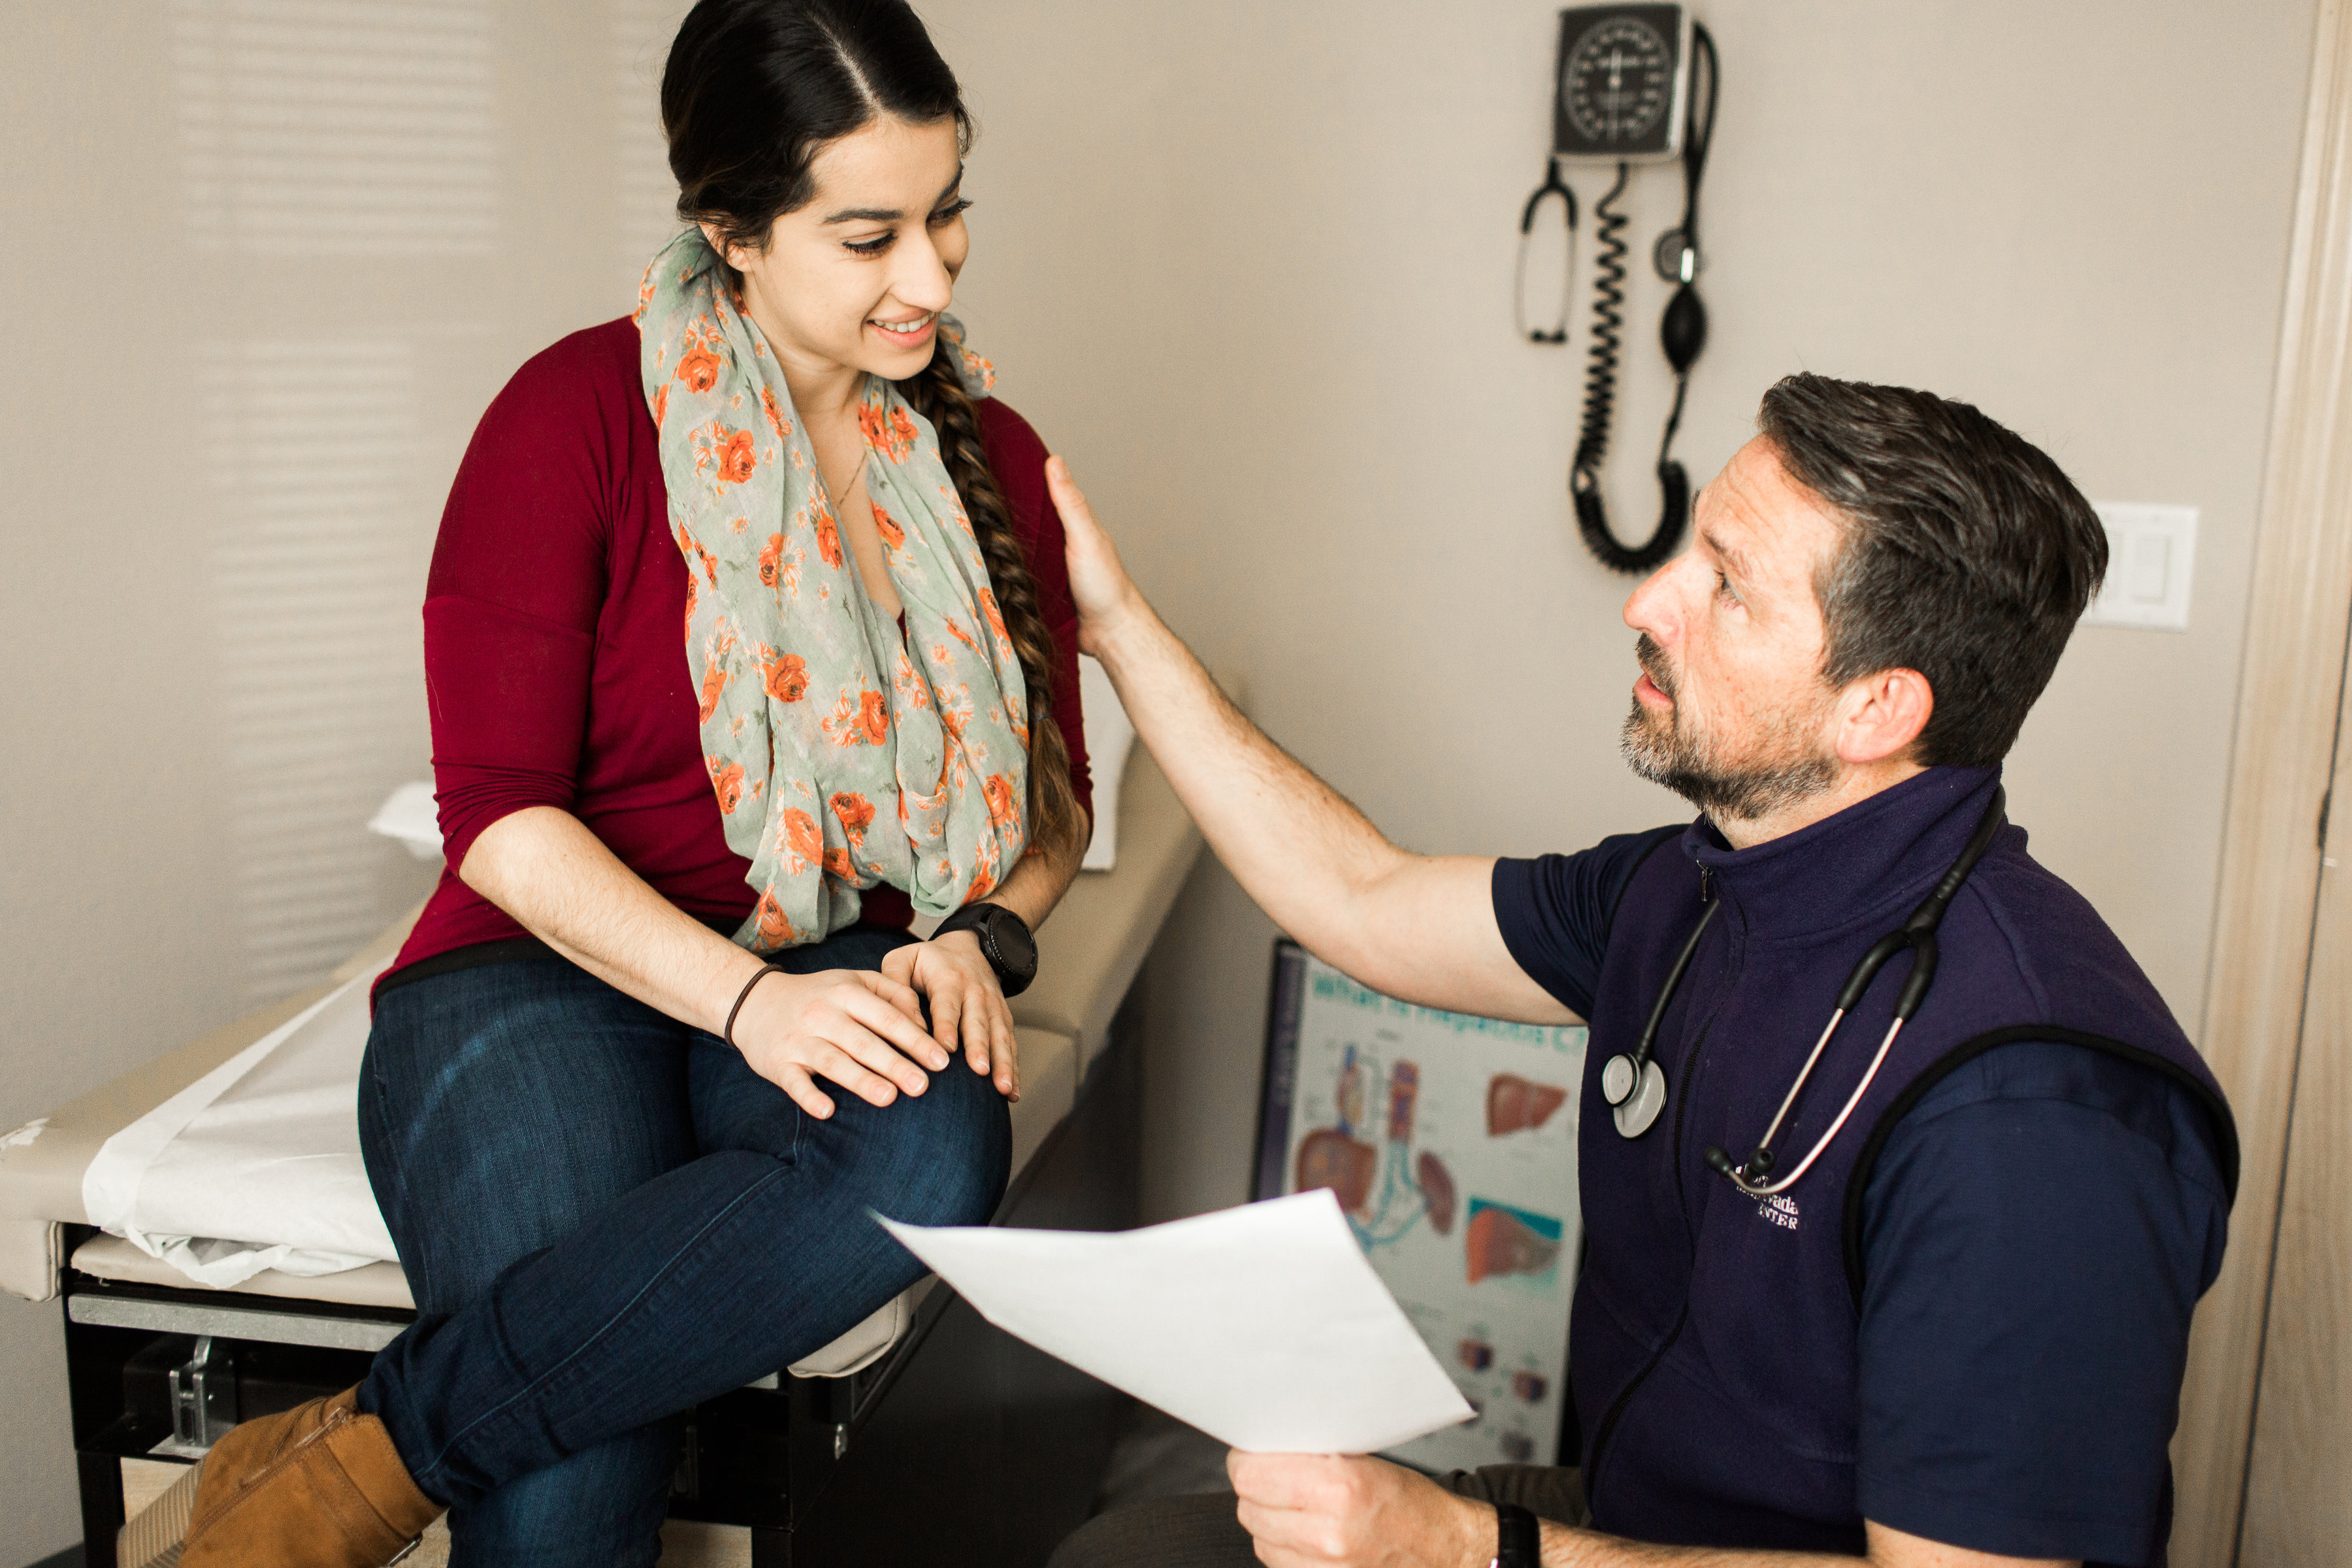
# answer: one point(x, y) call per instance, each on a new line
point(2289, 691)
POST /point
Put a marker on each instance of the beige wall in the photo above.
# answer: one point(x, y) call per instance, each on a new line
point(1247, 264)
point(1250, 265)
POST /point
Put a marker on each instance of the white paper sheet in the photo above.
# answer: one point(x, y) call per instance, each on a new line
point(1263, 1326)
point(411, 815)
point(262, 1151)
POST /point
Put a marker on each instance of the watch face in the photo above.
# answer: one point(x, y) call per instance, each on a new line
point(1618, 82)
point(1015, 946)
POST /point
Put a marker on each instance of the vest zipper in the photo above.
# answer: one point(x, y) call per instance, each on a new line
point(1591, 1470)
point(1617, 1408)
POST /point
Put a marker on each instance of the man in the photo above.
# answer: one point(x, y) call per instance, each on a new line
point(1956, 1336)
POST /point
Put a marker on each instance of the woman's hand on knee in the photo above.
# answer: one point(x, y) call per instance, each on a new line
point(860, 1029)
point(968, 1007)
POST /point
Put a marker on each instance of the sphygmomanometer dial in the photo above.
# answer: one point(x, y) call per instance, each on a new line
point(1618, 81)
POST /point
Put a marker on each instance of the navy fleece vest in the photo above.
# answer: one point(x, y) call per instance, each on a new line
point(1713, 1352)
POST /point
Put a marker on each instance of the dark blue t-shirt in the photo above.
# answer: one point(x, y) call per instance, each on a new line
point(2035, 1235)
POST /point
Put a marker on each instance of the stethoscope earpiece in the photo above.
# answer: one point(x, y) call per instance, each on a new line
point(1553, 186)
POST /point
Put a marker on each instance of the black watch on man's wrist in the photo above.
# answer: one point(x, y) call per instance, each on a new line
point(1519, 1539)
point(1004, 942)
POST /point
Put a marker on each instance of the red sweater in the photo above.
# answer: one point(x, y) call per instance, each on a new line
point(554, 643)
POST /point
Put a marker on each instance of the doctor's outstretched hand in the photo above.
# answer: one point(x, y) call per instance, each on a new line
point(1099, 586)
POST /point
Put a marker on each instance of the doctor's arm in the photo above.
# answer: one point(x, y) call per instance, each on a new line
point(1316, 1510)
point(1415, 926)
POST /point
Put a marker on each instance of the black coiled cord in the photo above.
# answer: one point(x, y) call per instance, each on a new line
point(1601, 372)
point(1681, 334)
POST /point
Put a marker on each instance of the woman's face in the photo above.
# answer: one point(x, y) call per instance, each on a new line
point(857, 276)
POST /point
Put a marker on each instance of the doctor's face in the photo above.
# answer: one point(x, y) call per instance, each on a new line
point(1730, 711)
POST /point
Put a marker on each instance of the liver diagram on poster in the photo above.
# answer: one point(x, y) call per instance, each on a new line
point(1388, 1188)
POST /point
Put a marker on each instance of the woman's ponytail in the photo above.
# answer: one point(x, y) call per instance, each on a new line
point(1057, 825)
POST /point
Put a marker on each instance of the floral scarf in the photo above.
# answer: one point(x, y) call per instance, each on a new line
point(842, 753)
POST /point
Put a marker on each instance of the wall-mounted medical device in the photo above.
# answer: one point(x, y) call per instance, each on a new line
point(1636, 84)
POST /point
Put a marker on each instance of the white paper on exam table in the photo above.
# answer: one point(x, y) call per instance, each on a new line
point(256, 1164)
point(1110, 737)
point(1264, 1326)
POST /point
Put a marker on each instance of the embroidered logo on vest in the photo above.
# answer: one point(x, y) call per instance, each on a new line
point(1781, 1209)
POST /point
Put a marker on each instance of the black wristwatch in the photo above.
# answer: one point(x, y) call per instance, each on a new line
point(1004, 942)
point(1519, 1539)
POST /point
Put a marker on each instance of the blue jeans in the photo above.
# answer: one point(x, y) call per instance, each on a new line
point(606, 1218)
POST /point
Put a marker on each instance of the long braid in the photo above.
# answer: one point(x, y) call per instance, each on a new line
point(1057, 825)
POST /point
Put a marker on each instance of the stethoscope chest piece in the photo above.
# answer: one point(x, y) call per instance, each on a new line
point(1635, 1094)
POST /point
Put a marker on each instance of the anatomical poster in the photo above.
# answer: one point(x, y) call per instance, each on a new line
point(1450, 1142)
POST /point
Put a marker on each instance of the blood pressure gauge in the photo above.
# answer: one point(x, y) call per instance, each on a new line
point(1624, 71)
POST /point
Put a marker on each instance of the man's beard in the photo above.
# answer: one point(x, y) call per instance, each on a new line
point(1782, 772)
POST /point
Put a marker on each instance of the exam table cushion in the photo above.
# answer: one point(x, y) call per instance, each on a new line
point(1049, 1083)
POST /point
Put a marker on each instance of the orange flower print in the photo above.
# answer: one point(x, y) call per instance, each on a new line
point(981, 368)
point(772, 557)
point(784, 675)
point(912, 693)
point(714, 681)
point(1000, 809)
point(661, 405)
point(726, 782)
point(864, 720)
point(856, 814)
point(689, 603)
point(775, 413)
point(775, 930)
point(983, 882)
point(838, 863)
point(995, 616)
point(715, 673)
point(698, 369)
point(828, 536)
point(692, 547)
point(801, 834)
point(892, 534)
point(955, 711)
point(891, 432)
point(737, 459)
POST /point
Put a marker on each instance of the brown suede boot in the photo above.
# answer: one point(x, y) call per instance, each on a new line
point(318, 1487)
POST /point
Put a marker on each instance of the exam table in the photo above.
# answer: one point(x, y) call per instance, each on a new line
point(923, 1435)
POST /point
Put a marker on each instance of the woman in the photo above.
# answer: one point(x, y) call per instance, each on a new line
point(737, 658)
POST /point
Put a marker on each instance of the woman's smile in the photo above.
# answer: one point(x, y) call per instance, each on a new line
point(910, 331)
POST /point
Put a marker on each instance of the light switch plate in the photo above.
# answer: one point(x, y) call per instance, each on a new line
point(2151, 560)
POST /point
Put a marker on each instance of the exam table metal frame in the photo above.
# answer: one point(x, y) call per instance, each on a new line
point(962, 1445)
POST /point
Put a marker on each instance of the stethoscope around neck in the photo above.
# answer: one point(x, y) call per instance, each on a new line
point(1635, 1086)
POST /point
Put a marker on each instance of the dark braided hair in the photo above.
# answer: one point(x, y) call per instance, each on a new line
point(1056, 824)
point(754, 90)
